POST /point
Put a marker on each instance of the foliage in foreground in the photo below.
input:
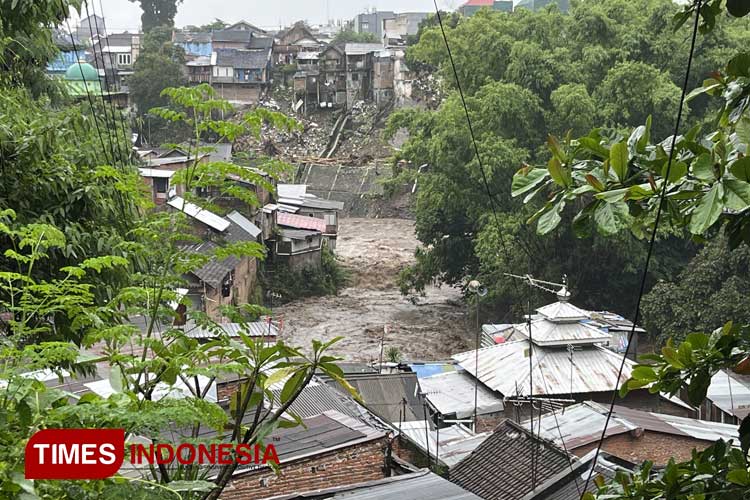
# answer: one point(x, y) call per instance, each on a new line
point(84, 263)
point(614, 184)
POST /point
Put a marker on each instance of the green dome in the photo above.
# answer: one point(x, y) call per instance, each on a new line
point(82, 71)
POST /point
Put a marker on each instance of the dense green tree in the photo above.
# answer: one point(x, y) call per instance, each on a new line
point(573, 109)
point(714, 286)
point(633, 91)
point(626, 183)
point(527, 75)
point(351, 36)
point(157, 13)
point(159, 66)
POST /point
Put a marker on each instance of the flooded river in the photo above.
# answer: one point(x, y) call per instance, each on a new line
point(372, 308)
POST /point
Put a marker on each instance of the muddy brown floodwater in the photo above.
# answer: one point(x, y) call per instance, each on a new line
point(375, 250)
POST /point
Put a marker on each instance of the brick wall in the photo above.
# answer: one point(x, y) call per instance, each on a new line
point(654, 446)
point(355, 464)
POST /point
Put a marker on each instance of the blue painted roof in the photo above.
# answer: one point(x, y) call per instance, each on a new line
point(428, 369)
point(196, 48)
point(63, 61)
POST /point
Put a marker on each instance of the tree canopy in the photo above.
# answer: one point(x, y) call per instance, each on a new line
point(157, 13)
point(527, 75)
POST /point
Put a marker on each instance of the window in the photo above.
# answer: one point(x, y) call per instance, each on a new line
point(161, 184)
point(365, 26)
point(355, 77)
point(123, 59)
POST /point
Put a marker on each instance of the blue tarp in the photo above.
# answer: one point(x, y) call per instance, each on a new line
point(63, 61)
point(196, 49)
point(428, 369)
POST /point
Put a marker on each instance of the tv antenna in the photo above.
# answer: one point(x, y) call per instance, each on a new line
point(561, 289)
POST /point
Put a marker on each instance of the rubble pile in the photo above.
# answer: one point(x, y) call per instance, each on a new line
point(360, 141)
point(427, 90)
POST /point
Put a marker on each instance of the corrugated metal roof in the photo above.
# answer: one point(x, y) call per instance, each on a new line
point(455, 442)
point(301, 222)
point(152, 172)
point(244, 223)
point(562, 310)
point(201, 214)
point(298, 234)
point(453, 393)
point(547, 332)
point(384, 395)
point(505, 368)
point(230, 35)
point(582, 424)
point(499, 468)
point(157, 162)
point(254, 329)
point(242, 58)
point(358, 49)
point(567, 485)
point(731, 393)
point(423, 485)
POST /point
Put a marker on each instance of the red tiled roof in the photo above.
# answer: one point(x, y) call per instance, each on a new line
point(479, 3)
point(301, 222)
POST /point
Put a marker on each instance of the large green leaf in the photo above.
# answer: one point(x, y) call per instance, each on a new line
point(703, 167)
point(708, 210)
point(618, 160)
point(677, 171)
point(527, 179)
point(610, 218)
point(551, 219)
point(741, 169)
point(594, 146)
point(558, 173)
point(736, 194)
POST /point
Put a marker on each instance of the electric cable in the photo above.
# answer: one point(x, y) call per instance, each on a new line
point(125, 134)
point(652, 241)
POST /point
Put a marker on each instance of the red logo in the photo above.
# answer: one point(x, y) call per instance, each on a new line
point(75, 453)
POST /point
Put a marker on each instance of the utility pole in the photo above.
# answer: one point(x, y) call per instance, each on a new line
point(479, 291)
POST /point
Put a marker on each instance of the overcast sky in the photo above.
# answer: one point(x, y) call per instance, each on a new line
point(124, 15)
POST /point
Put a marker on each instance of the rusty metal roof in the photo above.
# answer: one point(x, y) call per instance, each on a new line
point(505, 368)
point(582, 424)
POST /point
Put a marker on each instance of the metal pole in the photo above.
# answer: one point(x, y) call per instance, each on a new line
point(476, 366)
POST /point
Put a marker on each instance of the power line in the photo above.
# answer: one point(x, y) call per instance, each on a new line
point(125, 134)
point(106, 84)
point(471, 132)
point(85, 85)
point(652, 240)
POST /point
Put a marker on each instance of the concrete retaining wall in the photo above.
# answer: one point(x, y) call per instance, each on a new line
point(350, 184)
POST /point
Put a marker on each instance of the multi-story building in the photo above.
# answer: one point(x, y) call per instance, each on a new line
point(472, 6)
point(563, 5)
point(373, 22)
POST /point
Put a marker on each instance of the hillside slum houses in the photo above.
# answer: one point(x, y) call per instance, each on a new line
point(417, 425)
point(241, 62)
point(293, 225)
